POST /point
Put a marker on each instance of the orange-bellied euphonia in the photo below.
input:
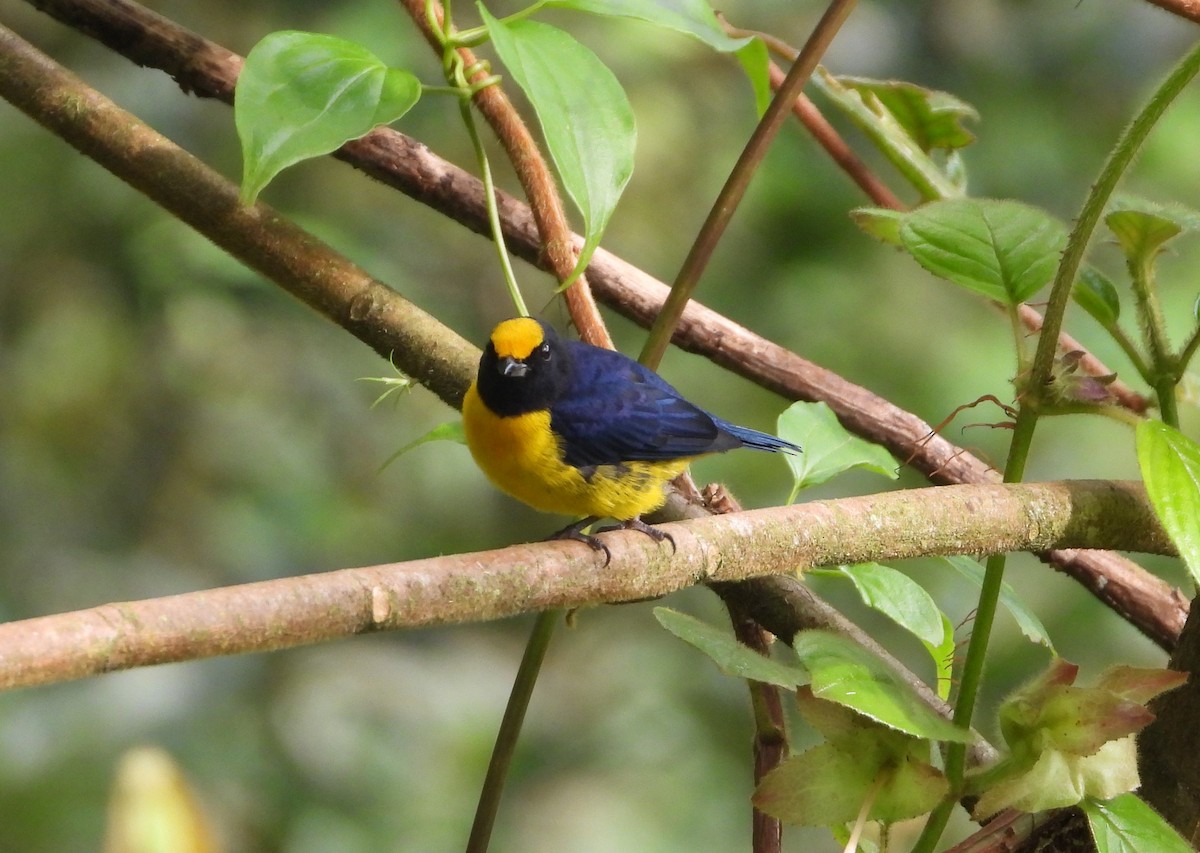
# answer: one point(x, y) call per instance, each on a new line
point(571, 428)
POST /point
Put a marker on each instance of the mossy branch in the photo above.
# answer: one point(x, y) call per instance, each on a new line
point(488, 585)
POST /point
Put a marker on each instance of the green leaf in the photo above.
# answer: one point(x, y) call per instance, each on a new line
point(1056, 779)
point(829, 449)
point(756, 62)
point(900, 598)
point(864, 768)
point(844, 672)
point(1170, 463)
point(1141, 236)
point(1185, 217)
point(690, 17)
point(829, 784)
point(1126, 824)
point(1002, 249)
point(933, 119)
point(1096, 294)
point(942, 653)
point(882, 223)
point(823, 785)
point(732, 657)
point(892, 138)
point(1029, 624)
point(450, 431)
point(585, 116)
point(302, 95)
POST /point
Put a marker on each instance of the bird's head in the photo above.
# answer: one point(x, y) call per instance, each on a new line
point(525, 367)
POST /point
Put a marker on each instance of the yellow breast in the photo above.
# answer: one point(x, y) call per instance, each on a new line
point(523, 458)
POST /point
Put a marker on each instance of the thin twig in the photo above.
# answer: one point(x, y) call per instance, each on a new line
point(738, 181)
point(770, 732)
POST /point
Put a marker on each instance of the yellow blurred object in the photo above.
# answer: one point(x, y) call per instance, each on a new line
point(152, 809)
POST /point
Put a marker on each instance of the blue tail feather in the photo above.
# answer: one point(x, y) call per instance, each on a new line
point(756, 440)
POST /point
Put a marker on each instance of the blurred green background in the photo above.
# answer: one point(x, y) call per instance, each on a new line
point(171, 422)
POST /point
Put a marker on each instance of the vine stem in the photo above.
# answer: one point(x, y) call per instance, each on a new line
point(1118, 163)
point(738, 181)
point(510, 730)
point(1041, 374)
point(1189, 350)
point(493, 212)
point(1164, 368)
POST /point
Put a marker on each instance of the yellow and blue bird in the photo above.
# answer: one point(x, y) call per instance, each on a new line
point(571, 428)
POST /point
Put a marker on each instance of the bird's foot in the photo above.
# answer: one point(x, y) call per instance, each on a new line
point(574, 532)
point(642, 527)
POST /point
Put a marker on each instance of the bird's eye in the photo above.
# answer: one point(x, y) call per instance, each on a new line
point(544, 352)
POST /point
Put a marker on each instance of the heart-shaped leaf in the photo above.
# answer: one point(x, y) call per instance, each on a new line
point(303, 95)
point(829, 448)
point(865, 768)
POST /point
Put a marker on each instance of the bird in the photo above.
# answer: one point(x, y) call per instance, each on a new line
point(575, 429)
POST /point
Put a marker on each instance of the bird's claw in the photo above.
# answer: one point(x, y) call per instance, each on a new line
point(642, 527)
point(575, 532)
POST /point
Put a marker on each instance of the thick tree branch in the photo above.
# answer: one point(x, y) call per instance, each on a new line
point(258, 236)
point(208, 69)
point(494, 584)
point(1189, 9)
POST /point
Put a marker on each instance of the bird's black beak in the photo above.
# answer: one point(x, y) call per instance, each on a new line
point(510, 366)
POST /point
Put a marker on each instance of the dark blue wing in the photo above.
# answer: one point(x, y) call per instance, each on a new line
point(619, 411)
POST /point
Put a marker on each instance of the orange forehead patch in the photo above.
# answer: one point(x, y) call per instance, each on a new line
point(517, 338)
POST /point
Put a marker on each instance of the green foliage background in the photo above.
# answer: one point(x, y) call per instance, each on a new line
point(170, 422)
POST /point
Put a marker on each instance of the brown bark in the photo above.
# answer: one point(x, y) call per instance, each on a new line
point(553, 575)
